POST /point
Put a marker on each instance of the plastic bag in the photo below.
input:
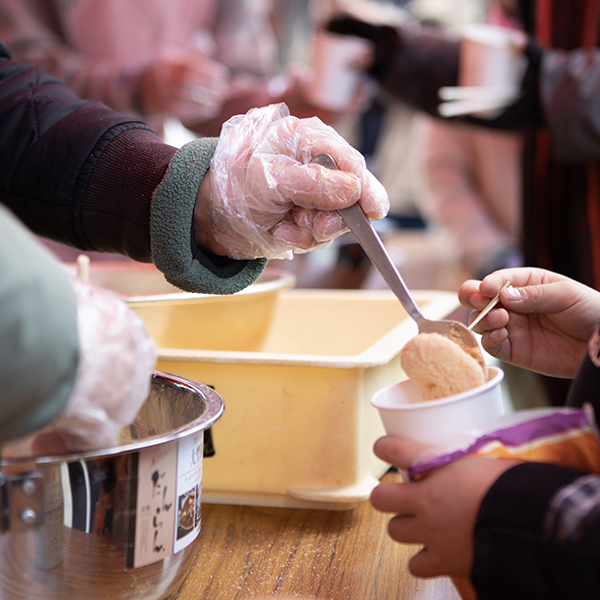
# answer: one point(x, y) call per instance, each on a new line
point(561, 436)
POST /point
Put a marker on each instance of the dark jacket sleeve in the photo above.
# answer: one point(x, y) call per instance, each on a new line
point(560, 89)
point(51, 141)
point(412, 62)
point(81, 174)
point(538, 530)
point(517, 555)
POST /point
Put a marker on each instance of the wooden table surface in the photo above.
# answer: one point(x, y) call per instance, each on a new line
point(256, 552)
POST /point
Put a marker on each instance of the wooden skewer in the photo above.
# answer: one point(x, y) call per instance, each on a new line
point(489, 306)
point(83, 268)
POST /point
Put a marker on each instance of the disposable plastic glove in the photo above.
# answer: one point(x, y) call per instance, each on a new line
point(116, 359)
point(266, 200)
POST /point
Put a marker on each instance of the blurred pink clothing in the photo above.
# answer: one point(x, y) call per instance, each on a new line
point(471, 186)
point(100, 47)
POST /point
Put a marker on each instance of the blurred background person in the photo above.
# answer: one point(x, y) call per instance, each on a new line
point(200, 61)
point(471, 189)
point(555, 113)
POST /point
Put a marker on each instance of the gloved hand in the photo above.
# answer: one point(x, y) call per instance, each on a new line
point(187, 85)
point(116, 359)
point(266, 200)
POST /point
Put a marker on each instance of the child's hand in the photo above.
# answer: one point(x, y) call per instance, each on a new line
point(439, 511)
point(543, 322)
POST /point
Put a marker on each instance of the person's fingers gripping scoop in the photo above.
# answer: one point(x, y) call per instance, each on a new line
point(267, 199)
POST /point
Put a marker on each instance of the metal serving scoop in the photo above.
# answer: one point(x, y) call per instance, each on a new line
point(371, 243)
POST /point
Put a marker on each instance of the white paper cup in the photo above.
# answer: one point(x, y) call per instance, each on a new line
point(336, 76)
point(404, 413)
point(488, 57)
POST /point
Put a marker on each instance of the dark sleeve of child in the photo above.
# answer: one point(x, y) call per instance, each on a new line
point(538, 530)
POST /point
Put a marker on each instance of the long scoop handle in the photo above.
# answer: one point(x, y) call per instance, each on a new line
point(371, 243)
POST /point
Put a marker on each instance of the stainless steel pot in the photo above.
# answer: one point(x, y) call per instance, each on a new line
point(120, 523)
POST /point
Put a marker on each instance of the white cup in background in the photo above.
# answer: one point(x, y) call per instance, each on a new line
point(489, 57)
point(403, 411)
point(336, 76)
point(491, 68)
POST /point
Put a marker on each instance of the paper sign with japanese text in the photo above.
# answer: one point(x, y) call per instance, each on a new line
point(168, 499)
point(156, 504)
point(189, 487)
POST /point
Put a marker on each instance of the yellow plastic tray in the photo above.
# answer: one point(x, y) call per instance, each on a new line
point(298, 428)
point(177, 319)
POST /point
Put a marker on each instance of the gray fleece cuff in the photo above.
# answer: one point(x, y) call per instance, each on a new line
point(173, 245)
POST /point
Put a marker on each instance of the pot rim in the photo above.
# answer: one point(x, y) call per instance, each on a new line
point(214, 409)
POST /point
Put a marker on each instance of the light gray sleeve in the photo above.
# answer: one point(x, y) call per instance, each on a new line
point(38, 332)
